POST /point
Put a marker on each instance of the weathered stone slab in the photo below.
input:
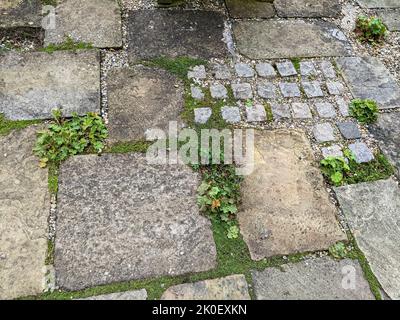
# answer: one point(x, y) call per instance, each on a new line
point(285, 206)
point(272, 39)
point(387, 131)
point(128, 295)
point(140, 99)
point(314, 279)
point(368, 78)
point(173, 33)
point(24, 210)
point(379, 3)
point(307, 8)
point(92, 21)
point(391, 19)
point(372, 211)
point(135, 221)
point(229, 288)
point(34, 83)
point(250, 9)
point(20, 13)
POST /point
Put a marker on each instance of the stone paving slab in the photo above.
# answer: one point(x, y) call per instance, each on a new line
point(314, 279)
point(20, 13)
point(244, 9)
point(372, 211)
point(371, 4)
point(132, 222)
point(271, 39)
point(128, 295)
point(173, 33)
point(368, 78)
point(92, 21)
point(285, 207)
point(24, 210)
point(307, 8)
point(34, 83)
point(387, 131)
point(391, 19)
point(229, 288)
point(140, 99)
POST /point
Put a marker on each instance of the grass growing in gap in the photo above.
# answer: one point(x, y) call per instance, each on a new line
point(6, 126)
point(296, 63)
point(127, 147)
point(68, 44)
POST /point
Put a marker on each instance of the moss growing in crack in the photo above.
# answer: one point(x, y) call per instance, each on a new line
point(268, 111)
point(296, 63)
point(6, 126)
point(53, 178)
point(49, 2)
point(68, 44)
point(50, 253)
point(127, 147)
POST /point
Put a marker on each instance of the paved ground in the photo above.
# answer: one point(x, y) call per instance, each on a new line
point(122, 228)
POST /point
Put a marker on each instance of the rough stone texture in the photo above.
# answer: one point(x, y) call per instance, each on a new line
point(196, 92)
point(271, 39)
point(266, 90)
point(328, 69)
point(140, 99)
point(244, 70)
point(218, 91)
point(229, 288)
point(368, 78)
point(242, 91)
point(335, 87)
point(201, 115)
point(301, 111)
point(323, 132)
point(290, 89)
point(286, 69)
point(256, 113)
point(361, 152)
point(349, 130)
point(285, 207)
point(387, 131)
point(149, 212)
point(197, 72)
point(265, 70)
point(307, 68)
point(128, 295)
point(92, 21)
point(231, 114)
point(280, 111)
point(332, 151)
point(24, 210)
point(372, 211)
point(307, 8)
point(312, 89)
point(250, 9)
point(174, 33)
point(20, 13)
point(325, 110)
point(379, 3)
point(221, 72)
point(314, 279)
point(34, 83)
point(391, 19)
point(343, 106)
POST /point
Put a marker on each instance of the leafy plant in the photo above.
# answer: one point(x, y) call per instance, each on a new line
point(233, 232)
point(65, 138)
point(335, 168)
point(338, 250)
point(365, 111)
point(370, 29)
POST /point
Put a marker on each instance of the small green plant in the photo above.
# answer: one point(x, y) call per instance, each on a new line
point(249, 103)
point(335, 168)
point(65, 138)
point(370, 29)
point(233, 232)
point(365, 111)
point(338, 250)
point(68, 44)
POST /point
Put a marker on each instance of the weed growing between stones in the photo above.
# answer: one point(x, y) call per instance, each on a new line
point(68, 44)
point(365, 111)
point(49, 2)
point(296, 64)
point(370, 29)
point(6, 126)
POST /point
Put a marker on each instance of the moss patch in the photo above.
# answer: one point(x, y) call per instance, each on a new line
point(6, 126)
point(126, 147)
point(68, 44)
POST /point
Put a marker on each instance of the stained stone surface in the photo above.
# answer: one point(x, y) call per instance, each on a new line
point(312, 89)
point(307, 68)
point(218, 91)
point(242, 91)
point(232, 287)
point(34, 83)
point(135, 221)
point(368, 78)
point(271, 39)
point(372, 211)
point(290, 89)
point(387, 131)
point(324, 132)
point(314, 279)
point(173, 33)
point(379, 3)
point(285, 207)
point(361, 152)
point(244, 70)
point(280, 111)
point(335, 87)
point(20, 13)
point(286, 69)
point(266, 90)
point(325, 110)
point(197, 72)
point(92, 21)
point(307, 8)
point(391, 19)
point(221, 71)
point(343, 106)
point(24, 210)
point(349, 130)
point(128, 295)
point(328, 69)
point(250, 8)
point(301, 111)
point(265, 70)
point(256, 113)
point(140, 99)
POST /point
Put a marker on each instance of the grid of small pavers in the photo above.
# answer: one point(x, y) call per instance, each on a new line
point(311, 93)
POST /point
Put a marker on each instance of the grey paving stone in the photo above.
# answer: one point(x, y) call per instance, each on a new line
point(230, 114)
point(271, 39)
point(368, 78)
point(314, 279)
point(325, 110)
point(387, 131)
point(35, 83)
point(324, 132)
point(328, 69)
point(244, 70)
point(232, 287)
point(361, 152)
point(25, 207)
point(197, 72)
point(242, 91)
point(201, 115)
point(128, 295)
point(286, 69)
point(307, 8)
point(197, 92)
point(256, 113)
point(221, 71)
point(307, 68)
point(349, 130)
point(290, 89)
point(265, 70)
point(301, 111)
point(20, 14)
point(138, 220)
point(92, 21)
point(379, 3)
point(391, 19)
point(174, 33)
point(280, 111)
point(250, 9)
point(335, 87)
point(141, 99)
point(280, 183)
point(312, 89)
point(343, 106)
point(266, 90)
point(372, 211)
point(332, 151)
point(218, 91)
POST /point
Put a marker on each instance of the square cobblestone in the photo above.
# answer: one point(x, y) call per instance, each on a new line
point(256, 113)
point(301, 111)
point(312, 89)
point(286, 69)
point(343, 106)
point(349, 130)
point(196, 92)
point(218, 91)
point(231, 114)
point(201, 115)
point(290, 89)
point(265, 70)
point(332, 151)
point(361, 152)
point(244, 70)
point(197, 72)
point(266, 90)
point(307, 68)
point(324, 132)
point(335, 87)
point(280, 111)
point(242, 91)
point(328, 69)
point(325, 110)
point(221, 71)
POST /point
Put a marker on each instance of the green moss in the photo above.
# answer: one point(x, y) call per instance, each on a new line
point(268, 110)
point(49, 2)
point(68, 44)
point(6, 126)
point(126, 147)
point(50, 253)
point(53, 178)
point(296, 63)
